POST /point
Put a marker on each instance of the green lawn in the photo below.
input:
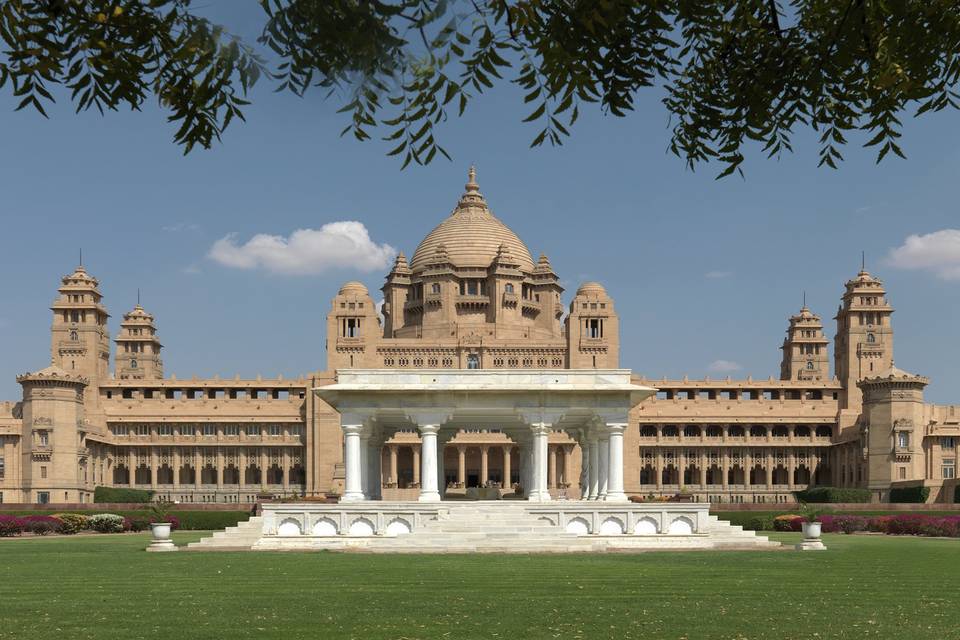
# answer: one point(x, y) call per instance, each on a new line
point(107, 587)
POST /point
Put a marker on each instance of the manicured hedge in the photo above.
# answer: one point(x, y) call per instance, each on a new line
point(189, 520)
point(114, 494)
point(833, 494)
point(909, 494)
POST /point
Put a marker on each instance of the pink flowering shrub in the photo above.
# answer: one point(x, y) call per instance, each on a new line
point(10, 526)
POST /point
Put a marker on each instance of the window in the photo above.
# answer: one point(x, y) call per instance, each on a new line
point(901, 473)
point(209, 429)
point(871, 338)
point(594, 328)
point(810, 365)
point(253, 430)
point(903, 439)
point(231, 430)
point(948, 442)
point(43, 472)
point(3, 468)
point(44, 439)
point(435, 287)
point(508, 288)
point(473, 361)
point(74, 336)
point(351, 327)
point(949, 470)
point(143, 430)
point(276, 430)
point(43, 497)
point(133, 364)
point(165, 430)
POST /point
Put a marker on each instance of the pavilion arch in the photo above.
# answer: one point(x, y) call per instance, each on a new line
point(398, 527)
point(578, 526)
point(324, 527)
point(648, 475)
point(612, 526)
point(164, 475)
point(645, 526)
point(121, 475)
point(289, 527)
point(362, 527)
point(681, 526)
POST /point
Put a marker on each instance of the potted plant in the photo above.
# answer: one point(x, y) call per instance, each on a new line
point(160, 526)
point(811, 520)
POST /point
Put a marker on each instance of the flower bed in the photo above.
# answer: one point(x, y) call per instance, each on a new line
point(897, 525)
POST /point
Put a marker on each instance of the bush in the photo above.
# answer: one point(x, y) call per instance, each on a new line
point(843, 524)
point(788, 522)
point(113, 494)
point(208, 520)
point(909, 494)
point(759, 523)
point(106, 523)
point(41, 525)
point(71, 523)
point(10, 526)
point(832, 494)
point(136, 524)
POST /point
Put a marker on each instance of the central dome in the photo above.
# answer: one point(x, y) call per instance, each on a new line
point(471, 235)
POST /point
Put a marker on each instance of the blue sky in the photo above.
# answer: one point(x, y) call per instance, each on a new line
point(701, 270)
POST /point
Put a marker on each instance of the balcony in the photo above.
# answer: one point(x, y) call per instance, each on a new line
point(469, 301)
point(432, 299)
point(510, 299)
point(531, 306)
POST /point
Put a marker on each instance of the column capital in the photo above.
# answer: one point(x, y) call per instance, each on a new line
point(428, 429)
point(616, 427)
point(540, 428)
point(352, 428)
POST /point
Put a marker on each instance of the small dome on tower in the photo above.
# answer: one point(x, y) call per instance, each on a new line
point(354, 287)
point(591, 287)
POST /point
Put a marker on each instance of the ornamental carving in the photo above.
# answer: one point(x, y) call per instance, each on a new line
point(43, 421)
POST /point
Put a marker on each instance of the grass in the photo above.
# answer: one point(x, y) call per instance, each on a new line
point(107, 587)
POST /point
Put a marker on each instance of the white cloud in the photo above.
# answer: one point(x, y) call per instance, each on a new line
point(716, 275)
point(938, 252)
point(724, 366)
point(344, 244)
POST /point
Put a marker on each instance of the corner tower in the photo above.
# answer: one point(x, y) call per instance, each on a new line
point(138, 347)
point(805, 349)
point(79, 342)
point(593, 331)
point(863, 346)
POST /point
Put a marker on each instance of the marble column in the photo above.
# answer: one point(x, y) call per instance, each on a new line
point(594, 473)
point(365, 465)
point(441, 467)
point(539, 491)
point(614, 491)
point(353, 482)
point(393, 466)
point(603, 455)
point(552, 467)
point(428, 461)
point(567, 464)
point(415, 450)
point(584, 469)
point(506, 468)
point(462, 465)
point(484, 464)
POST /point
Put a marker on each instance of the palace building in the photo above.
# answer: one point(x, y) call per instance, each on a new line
point(474, 378)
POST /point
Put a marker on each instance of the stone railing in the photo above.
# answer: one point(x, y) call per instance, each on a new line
point(356, 519)
point(664, 518)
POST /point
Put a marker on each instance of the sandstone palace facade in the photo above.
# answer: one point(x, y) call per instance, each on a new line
point(471, 297)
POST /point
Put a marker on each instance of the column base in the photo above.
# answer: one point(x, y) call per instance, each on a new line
point(352, 497)
point(616, 497)
point(433, 496)
point(539, 496)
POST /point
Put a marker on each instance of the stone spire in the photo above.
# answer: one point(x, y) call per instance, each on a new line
point(472, 200)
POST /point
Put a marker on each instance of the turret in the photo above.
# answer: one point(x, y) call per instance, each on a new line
point(805, 349)
point(79, 341)
point(864, 342)
point(353, 329)
point(593, 331)
point(138, 347)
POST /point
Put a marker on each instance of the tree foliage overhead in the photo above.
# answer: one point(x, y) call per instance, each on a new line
point(734, 75)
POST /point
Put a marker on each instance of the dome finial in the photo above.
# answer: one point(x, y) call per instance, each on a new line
point(472, 179)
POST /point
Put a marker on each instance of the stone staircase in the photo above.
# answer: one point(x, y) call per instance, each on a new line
point(489, 527)
point(239, 538)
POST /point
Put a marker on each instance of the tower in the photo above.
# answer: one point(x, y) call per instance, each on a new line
point(593, 332)
point(138, 347)
point(395, 292)
point(79, 342)
point(892, 428)
point(805, 349)
point(353, 329)
point(863, 346)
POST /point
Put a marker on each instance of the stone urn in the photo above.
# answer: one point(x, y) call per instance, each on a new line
point(811, 537)
point(161, 537)
point(811, 530)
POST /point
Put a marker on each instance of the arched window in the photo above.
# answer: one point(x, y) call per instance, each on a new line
point(810, 364)
point(473, 361)
point(508, 288)
point(871, 337)
point(435, 288)
point(133, 364)
point(74, 336)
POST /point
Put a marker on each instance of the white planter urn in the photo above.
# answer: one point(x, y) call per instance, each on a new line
point(161, 537)
point(811, 537)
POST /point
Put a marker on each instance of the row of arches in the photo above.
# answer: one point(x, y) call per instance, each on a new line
point(736, 475)
point(735, 431)
point(187, 474)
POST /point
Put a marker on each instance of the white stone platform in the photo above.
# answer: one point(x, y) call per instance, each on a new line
point(485, 527)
